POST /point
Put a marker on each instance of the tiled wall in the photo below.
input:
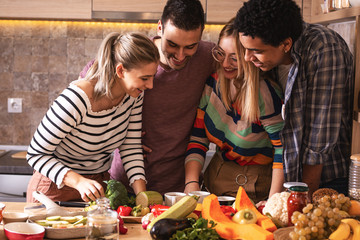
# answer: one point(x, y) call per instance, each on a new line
point(38, 59)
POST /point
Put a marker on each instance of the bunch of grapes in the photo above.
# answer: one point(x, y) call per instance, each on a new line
point(319, 220)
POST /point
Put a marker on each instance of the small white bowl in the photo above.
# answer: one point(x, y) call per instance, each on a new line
point(9, 217)
point(24, 231)
point(226, 200)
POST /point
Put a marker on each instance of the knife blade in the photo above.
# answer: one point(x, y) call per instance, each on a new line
point(72, 204)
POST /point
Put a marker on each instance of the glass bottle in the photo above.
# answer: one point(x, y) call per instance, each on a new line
point(297, 200)
point(102, 222)
point(354, 177)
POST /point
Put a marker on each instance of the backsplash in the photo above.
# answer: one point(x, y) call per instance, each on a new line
point(38, 59)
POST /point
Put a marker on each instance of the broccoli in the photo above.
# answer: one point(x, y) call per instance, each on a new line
point(116, 193)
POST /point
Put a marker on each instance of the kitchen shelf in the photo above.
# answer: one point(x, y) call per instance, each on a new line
point(336, 16)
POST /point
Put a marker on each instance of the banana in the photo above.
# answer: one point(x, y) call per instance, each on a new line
point(354, 225)
point(344, 214)
point(341, 233)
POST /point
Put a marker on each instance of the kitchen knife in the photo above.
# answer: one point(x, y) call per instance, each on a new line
point(72, 204)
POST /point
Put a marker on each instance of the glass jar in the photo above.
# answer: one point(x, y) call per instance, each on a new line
point(102, 222)
point(354, 177)
point(297, 200)
point(287, 185)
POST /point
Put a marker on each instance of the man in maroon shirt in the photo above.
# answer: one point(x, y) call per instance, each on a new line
point(169, 108)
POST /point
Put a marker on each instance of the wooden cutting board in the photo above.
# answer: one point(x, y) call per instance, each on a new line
point(19, 155)
point(34, 209)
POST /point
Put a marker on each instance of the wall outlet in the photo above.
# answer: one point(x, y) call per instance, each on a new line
point(14, 105)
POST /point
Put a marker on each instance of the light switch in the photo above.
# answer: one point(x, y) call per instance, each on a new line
point(14, 105)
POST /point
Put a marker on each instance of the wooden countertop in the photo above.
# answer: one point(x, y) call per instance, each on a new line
point(135, 231)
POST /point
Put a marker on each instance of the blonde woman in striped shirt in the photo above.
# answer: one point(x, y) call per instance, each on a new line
point(71, 148)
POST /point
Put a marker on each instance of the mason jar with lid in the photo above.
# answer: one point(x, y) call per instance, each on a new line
point(288, 185)
point(102, 222)
point(297, 200)
point(354, 177)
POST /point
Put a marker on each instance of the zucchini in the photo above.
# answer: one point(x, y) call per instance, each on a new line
point(148, 198)
point(179, 210)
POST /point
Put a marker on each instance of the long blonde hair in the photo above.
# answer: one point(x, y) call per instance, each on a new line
point(130, 49)
point(246, 82)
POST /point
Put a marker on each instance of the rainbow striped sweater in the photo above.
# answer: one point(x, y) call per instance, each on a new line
point(237, 140)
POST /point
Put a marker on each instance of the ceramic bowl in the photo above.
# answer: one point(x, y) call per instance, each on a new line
point(226, 200)
point(2, 206)
point(23, 231)
point(354, 3)
point(9, 217)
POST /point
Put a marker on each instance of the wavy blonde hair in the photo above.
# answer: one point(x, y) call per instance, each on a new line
point(132, 50)
point(246, 82)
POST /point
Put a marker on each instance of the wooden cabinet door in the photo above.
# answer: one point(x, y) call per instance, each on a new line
point(149, 10)
point(129, 6)
point(222, 11)
point(45, 9)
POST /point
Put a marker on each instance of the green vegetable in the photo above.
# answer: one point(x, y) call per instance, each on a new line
point(148, 198)
point(181, 209)
point(116, 193)
point(199, 230)
point(136, 211)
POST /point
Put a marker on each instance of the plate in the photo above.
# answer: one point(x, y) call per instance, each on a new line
point(283, 233)
point(131, 219)
point(61, 233)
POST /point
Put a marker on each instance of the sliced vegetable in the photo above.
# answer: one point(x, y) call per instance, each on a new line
point(148, 198)
point(228, 229)
point(242, 201)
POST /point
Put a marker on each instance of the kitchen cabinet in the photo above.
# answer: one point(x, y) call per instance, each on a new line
point(222, 11)
point(44, 9)
point(342, 15)
point(149, 10)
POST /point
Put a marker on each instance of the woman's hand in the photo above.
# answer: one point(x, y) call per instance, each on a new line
point(194, 186)
point(89, 189)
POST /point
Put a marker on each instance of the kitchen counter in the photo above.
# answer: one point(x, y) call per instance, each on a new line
point(135, 231)
point(10, 165)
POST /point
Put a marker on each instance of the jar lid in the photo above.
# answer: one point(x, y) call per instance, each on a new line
point(299, 188)
point(291, 184)
point(355, 157)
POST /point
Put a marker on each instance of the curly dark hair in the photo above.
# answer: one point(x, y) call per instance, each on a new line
point(184, 14)
point(270, 20)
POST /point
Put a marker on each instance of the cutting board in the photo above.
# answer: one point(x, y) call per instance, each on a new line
point(34, 209)
point(19, 155)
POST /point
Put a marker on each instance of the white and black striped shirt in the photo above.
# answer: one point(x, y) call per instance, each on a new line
point(72, 136)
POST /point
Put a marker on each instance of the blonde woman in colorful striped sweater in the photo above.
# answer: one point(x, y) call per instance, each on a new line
point(240, 112)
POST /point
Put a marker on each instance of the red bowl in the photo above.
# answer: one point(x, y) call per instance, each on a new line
point(24, 231)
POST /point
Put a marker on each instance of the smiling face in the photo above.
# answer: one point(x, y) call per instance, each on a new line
point(265, 56)
point(228, 57)
point(138, 79)
point(177, 45)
